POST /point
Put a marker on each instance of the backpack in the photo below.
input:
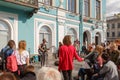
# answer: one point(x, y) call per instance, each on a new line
point(2, 55)
point(11, 63)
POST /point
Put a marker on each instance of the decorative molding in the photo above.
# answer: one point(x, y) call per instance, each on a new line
point(76, 28)
point(11, 19)
point(14, 26)
point(38, 24)
point(60, 17)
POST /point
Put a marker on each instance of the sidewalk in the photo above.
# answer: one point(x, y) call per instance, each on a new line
point(51, 61)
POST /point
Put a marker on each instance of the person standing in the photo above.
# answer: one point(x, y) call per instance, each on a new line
point(67, 52)
point(5, 52)
point(43, 52)
point(22, 56)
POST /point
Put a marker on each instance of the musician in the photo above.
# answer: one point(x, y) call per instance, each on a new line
point(43, 52)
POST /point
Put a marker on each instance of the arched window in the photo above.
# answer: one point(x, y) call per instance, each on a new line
point(87, 37)
point(45, 32)
point(5, 34)
point(97, 38)
point(73, 34)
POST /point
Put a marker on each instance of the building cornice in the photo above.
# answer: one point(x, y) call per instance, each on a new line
point(59, 17)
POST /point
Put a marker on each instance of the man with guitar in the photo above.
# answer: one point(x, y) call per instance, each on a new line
point(43, 52)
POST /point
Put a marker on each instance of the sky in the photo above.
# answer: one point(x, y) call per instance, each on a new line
point(113, 6)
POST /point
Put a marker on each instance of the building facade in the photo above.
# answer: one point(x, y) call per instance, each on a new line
point(82, 19)
point(113, 27)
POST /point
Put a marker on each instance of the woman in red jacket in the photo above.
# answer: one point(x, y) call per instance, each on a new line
point(67, 52)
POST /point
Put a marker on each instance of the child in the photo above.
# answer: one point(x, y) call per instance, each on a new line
point(29, 73)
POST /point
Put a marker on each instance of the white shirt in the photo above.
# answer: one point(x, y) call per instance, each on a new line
point(21, 58)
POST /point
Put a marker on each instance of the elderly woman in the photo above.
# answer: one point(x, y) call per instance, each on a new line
point(48, 73)
point(67, 53)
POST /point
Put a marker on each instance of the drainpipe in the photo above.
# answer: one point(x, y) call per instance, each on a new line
point(81, 23)
point(57, 27)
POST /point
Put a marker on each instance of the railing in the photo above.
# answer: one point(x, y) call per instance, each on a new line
point(24, 2)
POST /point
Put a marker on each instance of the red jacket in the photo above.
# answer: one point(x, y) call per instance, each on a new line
point(66, 56)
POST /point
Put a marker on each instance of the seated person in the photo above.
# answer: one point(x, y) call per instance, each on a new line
point(29, 73)
point(7, 76)
point(47, 73)
point(109, 69)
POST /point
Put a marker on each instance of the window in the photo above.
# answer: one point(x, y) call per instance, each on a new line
point(113, 26)
point(45, 32)
point(113, 34)
point(97, 9)
point(87, 7)
point(118, 25)
point(118, 34)
point(107, 26)
point(47, 2)
point(108, 34)
point(5, 34)
point(72, 6)
point(73, 34)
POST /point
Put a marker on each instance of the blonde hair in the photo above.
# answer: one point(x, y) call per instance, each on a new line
point(113, 45)
point(99, 49)
point(67, 40)
point(22, 45)
point(47, 73)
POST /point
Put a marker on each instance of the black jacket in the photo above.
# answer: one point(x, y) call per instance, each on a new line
point(29, 76)
point(91, 58)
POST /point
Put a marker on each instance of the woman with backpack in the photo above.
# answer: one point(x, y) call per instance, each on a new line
point(5, 52)
point(22, 57)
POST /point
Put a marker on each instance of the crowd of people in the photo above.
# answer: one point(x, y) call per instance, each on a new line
point(103, 61)
point(24, 70)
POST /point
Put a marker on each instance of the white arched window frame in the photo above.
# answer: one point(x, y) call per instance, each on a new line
point(73, 34)
point(45, 32)
point(5, 33)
